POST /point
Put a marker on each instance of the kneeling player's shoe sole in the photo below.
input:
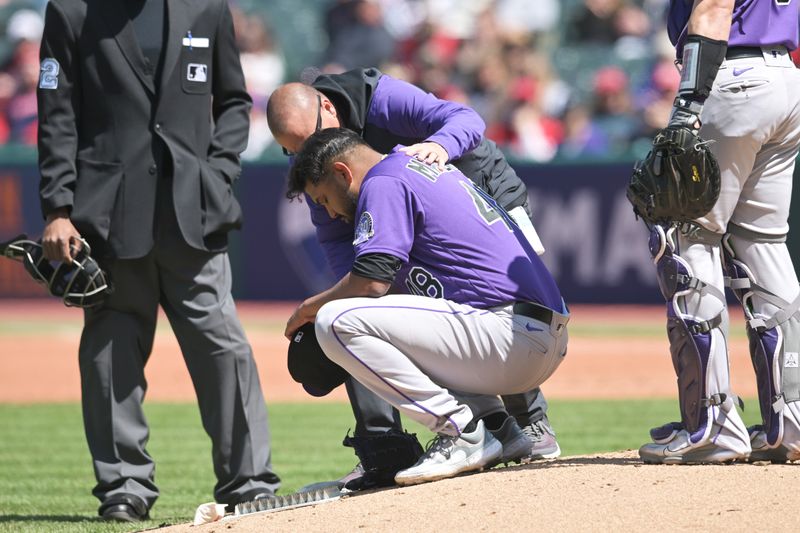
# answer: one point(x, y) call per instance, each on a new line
point(448, 456)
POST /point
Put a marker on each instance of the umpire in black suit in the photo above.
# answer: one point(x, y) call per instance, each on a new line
point(142, 115)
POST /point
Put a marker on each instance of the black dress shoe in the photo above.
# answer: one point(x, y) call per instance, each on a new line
point(124, 508)
point(122, 512)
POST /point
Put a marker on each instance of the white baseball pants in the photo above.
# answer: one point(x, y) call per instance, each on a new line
point(753, 118)
point(413, 350)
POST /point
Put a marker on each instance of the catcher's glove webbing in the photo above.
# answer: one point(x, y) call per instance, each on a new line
point(383, 456)
point(678, 181)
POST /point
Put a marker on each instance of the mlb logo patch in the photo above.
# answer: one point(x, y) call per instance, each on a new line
point(790, 360)
point(197, 72)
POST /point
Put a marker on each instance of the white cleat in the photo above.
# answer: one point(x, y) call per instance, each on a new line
point(448, 456)
point(763, 452)
point(681, 451)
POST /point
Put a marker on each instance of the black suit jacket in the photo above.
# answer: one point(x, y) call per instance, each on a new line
point(100, 114)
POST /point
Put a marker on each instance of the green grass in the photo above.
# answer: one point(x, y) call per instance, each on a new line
point(46, 475)
point(617, 330)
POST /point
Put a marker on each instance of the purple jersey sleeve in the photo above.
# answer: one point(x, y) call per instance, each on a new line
point(386, 216)
point(335, 237)
point(408, 111)
point(453, 241)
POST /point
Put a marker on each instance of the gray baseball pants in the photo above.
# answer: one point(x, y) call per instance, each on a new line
point(375, 416)
point(194, 289)
point(753, 118)
point(413, 351)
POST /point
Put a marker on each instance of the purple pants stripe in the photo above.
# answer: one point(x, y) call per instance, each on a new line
point(365, 365)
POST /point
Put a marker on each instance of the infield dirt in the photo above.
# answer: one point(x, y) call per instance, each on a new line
point(608, 492)
point(39, 347)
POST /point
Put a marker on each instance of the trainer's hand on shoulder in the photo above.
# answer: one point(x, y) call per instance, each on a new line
point(59, 236)
point(429, 152)
point(302, 315)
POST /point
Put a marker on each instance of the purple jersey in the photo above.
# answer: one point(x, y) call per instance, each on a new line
point(406, 114)
point(755, 23)
point(454, 241)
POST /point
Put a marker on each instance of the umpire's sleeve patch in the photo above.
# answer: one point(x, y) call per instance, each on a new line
point(48, 75)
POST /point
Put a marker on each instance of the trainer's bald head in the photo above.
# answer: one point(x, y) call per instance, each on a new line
point(293, 112)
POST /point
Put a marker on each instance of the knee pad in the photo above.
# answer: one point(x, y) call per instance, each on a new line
point(690, 340)
point(675, 276)
point(774, 343)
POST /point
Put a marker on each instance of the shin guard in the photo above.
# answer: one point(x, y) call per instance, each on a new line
point(691, 340)
point(690, 347)
point(774, 344)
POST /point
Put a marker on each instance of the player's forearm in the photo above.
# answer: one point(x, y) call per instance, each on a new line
point(350, 286)
point(461, 130)
point(408, 111)
point(711, 18)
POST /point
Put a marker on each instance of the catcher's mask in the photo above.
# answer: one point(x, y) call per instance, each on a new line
point(80, 284)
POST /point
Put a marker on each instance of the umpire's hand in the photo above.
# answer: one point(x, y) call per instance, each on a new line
point(60, 240)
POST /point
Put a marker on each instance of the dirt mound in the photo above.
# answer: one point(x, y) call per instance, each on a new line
point(611, 492)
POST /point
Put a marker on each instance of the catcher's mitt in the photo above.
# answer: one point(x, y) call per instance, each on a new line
point(678, 181)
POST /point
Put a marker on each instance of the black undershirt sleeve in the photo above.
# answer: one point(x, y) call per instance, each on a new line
point(381, 267)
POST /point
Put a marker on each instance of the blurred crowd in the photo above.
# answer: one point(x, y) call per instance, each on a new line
point(553, 79)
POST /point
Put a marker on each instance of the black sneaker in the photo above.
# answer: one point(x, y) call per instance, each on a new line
point(517, 446)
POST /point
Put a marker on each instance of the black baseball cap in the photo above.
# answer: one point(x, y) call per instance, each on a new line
point(309, 366)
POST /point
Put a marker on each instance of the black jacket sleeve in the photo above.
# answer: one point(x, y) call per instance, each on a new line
point(59, 108)
point(231, 102)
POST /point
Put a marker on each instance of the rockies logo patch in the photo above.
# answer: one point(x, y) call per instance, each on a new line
point(364, 229)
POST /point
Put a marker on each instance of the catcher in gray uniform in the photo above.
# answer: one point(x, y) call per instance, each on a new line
point(739, 97)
